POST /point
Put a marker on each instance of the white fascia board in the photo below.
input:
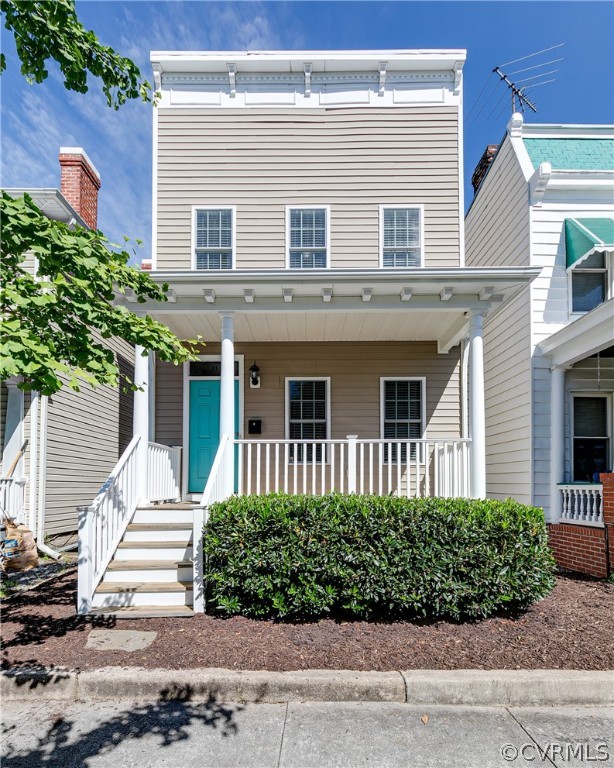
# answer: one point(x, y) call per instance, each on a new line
point(47, 197)
point(321, 61)
point(584, 337)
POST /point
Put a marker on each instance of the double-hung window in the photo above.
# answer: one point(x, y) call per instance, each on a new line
point(213, 238)
point(307, 238)
point(589, 283)
point(591, 441)
point(401, 236)
point(307, 416)
point(402, 415)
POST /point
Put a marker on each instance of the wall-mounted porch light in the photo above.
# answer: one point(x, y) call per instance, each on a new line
point(254, 376)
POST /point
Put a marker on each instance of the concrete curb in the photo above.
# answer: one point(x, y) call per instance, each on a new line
point(463, 687)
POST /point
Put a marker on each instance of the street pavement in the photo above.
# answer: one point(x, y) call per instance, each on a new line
point(187, 734)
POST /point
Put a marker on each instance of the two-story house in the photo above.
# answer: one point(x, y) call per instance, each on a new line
point(308, 219)
point(545, 198)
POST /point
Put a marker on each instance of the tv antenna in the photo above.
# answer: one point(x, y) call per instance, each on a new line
point(519, 89)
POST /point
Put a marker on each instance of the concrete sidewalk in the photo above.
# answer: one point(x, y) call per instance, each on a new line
point(209, 734)
point(437, 687)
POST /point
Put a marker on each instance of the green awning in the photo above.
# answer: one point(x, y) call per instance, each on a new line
point(586, 236)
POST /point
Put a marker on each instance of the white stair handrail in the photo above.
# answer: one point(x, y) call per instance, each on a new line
point(219, 486)
point(103, 523)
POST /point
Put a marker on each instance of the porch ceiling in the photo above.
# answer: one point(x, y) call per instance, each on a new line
point(333, 304)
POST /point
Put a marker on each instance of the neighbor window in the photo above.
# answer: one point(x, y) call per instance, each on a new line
point(307, 238)
point(589, 283)
point(307, 416)
point(401, 237)
point(213, 240)
point(590, 438)
point(402, 401)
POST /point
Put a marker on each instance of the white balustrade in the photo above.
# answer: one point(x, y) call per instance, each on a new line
point(219, 487)
point(12, 498)
point(103, 523)
point(163, 472)
point(582, 503)
point(382, 467)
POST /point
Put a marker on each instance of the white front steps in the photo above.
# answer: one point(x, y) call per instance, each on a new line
point(151, 573)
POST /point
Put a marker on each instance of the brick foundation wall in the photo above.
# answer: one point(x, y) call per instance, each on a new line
point(584, 548)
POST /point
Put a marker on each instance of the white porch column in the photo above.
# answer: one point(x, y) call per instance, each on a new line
point(227, 390)
point(13, 427)
point(140, 419)
point(557, 440)
point(477, 414)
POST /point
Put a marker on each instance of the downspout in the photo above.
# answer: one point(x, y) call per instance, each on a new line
point(33, 459)
point(42, 483)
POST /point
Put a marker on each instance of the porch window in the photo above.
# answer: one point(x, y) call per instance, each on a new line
point(401, 236)
point(590, 438)
point(307, 238)
point(307, 416)
point(213, 238)
point(589, 283)
point(402, 414)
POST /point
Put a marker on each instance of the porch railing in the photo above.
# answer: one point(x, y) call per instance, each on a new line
point(219, 487)
point(582, 503)
point(103, 523)
point(12, 497)
point(163, 472)
point(399, 467)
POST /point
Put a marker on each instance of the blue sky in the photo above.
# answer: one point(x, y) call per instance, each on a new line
point(35, 120)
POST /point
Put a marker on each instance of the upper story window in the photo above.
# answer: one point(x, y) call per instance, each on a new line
point(307, 237)
point(589, 283)
point(401, 236)
point(213, 238)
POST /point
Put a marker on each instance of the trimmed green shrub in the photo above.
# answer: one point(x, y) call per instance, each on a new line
point(368, 557)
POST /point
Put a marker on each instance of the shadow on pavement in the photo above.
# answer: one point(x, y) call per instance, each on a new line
point(169, 719)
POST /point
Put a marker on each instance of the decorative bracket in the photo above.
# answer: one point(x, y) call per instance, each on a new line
point(232, 79)
point(157, 76)
point(382, 78)
point(307, 70)
point(538, 183)
point(458, 72)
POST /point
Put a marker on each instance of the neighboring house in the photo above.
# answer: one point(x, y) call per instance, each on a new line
point(73, 438)
point(545, 198)
point(308, 218)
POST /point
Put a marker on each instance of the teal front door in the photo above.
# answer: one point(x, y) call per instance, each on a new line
point(205, 430)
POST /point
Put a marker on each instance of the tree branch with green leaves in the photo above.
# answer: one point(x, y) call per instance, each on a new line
point(50, 29)
point(53, 324)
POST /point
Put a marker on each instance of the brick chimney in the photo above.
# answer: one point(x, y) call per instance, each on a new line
point(482, 167)
point(80, 182)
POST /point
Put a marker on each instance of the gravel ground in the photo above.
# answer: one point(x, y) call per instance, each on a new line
point(14, 582)
point(571, 629)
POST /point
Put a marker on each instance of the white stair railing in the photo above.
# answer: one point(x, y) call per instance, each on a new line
point(12, 496)
point(582, 503)
point(103, 523)
point(219, 487)
point(407, 468)
point(163, 472)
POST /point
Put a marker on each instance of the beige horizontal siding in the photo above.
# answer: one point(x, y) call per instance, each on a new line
point(263, 160)
point(87, 432)
point(355, 370)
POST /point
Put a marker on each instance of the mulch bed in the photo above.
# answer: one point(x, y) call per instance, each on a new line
point(571, 629)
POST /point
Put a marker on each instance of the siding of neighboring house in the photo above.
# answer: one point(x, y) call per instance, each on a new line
point(550, 313)
point(351, 159)
point(355, 370)
point(87, 433)
point(497, 234)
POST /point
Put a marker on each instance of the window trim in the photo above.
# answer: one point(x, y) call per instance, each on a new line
point(382, 208)
point(326, 379)
point(609, 285)
point(315, 206)
point(382, 404)
point(233, 209)
point(609, 422)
